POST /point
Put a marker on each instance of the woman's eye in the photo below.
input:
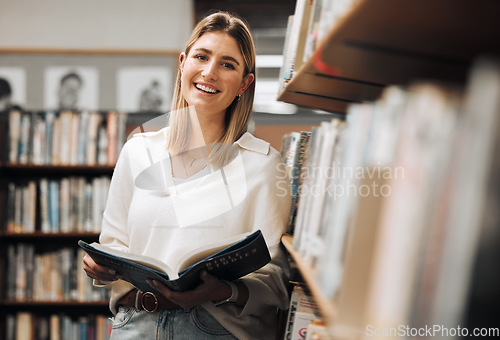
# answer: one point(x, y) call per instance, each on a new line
point(201, 57)
point(228, 65)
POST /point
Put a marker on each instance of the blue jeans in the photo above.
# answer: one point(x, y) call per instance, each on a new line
point(171, 324)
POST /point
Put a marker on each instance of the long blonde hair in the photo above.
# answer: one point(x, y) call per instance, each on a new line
point(238, 112)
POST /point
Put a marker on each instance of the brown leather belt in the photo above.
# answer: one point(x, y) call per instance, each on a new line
point(147, 301)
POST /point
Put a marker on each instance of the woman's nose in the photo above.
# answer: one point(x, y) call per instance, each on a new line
point(210, 71)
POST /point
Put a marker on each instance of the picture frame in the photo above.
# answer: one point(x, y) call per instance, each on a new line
point(44, 68)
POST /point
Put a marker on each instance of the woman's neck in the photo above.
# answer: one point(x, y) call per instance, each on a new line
point(205, 130)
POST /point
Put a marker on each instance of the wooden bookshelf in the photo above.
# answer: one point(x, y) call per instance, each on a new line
point(71, 308)
point(39, 170)
point(326, 306)
point(42, 235)
point(51, 303)
point(379, 43)
point(384, 42)
point(42, 242)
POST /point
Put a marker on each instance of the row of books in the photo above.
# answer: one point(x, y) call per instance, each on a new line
point(66, 137)
point(24, 325)
point(48, 276)
point(294, 152)
point(70, 204)
point(307, 27)
point(303, 321)
point(392, 198)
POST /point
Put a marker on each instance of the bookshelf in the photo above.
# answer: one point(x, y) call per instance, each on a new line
point(48, 287)
point(40, 170)
point(326, 306)
point(379, 43)
point(373, 45)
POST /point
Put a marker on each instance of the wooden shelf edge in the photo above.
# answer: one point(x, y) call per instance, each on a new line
point(90, 51)
point(371, 44)
point(314, 101)
point(18, 166)
point(68, 303)
point(39, 234)
point(326, 306)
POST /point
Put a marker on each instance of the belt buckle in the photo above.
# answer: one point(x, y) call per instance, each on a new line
point(146, 294)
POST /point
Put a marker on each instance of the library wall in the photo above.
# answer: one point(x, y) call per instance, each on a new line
point(94, 24)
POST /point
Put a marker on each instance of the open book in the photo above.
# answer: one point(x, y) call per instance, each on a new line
point(228, 260)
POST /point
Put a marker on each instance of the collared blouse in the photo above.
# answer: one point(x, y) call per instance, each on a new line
point(149, 212)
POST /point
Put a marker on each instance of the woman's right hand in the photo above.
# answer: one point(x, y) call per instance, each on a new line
point(96, 271)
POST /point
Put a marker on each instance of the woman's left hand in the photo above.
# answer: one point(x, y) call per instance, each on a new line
point(211, 289)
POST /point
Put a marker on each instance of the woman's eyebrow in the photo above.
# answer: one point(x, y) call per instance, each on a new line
point(209, 52)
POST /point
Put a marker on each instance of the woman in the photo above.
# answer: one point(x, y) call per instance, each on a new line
point(200, 180)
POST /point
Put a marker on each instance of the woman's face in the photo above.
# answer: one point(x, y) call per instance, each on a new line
point(212, 74)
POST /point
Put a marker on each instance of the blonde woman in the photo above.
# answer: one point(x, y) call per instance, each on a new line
point(200, 180)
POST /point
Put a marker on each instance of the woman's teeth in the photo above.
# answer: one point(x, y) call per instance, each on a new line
point(205, 88)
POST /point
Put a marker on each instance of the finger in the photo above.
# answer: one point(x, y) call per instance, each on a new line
point(160, 287)
point(97, 271)
point(207, 277)
point(97, 268)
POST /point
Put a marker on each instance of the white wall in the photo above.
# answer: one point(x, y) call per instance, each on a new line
point(95, 24)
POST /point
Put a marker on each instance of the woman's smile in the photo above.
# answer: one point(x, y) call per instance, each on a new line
point(206, 88)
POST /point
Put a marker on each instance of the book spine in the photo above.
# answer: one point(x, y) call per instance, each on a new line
point(18, 216)
point(65, 141)
point(54, 208)
point(11, 208)
point(24, 138)
point(65, 205)
point(56, 142)
point(11, 272)
point(14, 135)
point(295, 177)
point(75, 129)
point(38, 140)
point(49, 137)
point(122, 132)
point(287, 55)
point(82, 137)
point(44, 205)
point(92, 134)
point(112, 134)
point(102, 143)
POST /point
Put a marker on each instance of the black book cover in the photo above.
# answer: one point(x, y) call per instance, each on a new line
point(229, 260)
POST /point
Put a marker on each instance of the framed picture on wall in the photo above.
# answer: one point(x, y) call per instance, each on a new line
point(71, 88)
point(144, 89)
point(103, 80)
point(12, 87)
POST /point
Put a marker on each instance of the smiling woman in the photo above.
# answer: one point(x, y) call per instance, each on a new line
point(208, 179)
point(219, 53)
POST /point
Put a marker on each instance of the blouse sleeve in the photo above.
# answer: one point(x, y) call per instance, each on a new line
point(114, 224)
point(268, 285)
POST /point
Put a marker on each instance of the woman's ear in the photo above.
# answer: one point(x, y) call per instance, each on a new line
point(182, 57)
point(246, 83)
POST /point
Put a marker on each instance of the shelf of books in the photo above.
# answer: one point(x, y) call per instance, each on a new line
point(342, 52)
point(391, 206)
point(54, 184)
point(326, 307)
point(27, 325)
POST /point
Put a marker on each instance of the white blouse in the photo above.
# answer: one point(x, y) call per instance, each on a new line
point(151, 213)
